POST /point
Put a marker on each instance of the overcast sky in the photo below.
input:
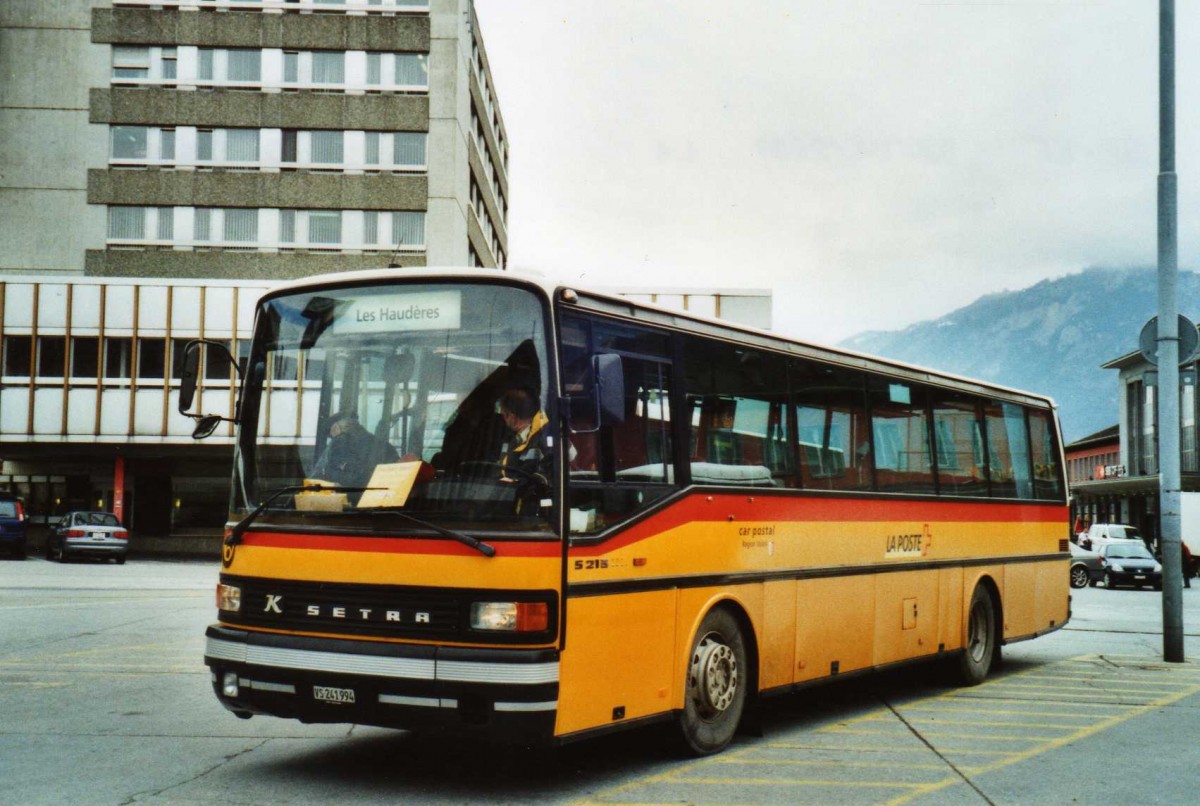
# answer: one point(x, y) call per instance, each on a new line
point(875, 162)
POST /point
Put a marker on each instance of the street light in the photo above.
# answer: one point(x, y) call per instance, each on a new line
point(1168, 341)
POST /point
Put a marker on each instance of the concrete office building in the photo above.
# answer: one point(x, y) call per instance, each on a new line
point(162, 162)
point(247, 138)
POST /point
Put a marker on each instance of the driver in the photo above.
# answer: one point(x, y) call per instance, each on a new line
point(528, 452)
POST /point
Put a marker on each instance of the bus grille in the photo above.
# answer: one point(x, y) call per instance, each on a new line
point(387, 611)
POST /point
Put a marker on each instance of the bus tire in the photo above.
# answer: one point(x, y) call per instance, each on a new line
point(715, 684)
point(982, 642)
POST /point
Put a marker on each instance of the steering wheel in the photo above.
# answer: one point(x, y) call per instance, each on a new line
point(483, 464)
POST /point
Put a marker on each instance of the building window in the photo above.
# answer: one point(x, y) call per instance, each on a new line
point(408, 149)
point(166, 145)
point(291, 67)
point(204, 68)
point(241, 145)
point(85, 357)
point(127, 223)
point(204, 145)
point(326, 147)
point(216, 364)
point(170, 62)
point(287, 226)
point(202, 224)
point(177, 358)
point(118, 362)
point(51, 356)
point(372, 145)
point(370, 227)
point(289, 149)
point(328, 67)
point(1149, 436)
point(166, 223)
point(325, 226)
point(244, 65)
point(374, 69)
point(241, 226)
point(408, 229)
point(129, 142)
point(152, 358)
point(1187, 427)
point(412, 70)
point(17, 356)
point(130, 62)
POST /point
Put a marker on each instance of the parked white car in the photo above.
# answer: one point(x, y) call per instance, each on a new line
point(1099, 535)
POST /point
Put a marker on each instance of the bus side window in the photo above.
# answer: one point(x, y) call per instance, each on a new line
point(1047, 473)
point(1008, 451)
point(958, 445)
point(739, 430)
point(900, 429)
point(831, 425)
point(619, 468)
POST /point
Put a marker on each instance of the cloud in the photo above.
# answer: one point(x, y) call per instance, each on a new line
point(879, 162)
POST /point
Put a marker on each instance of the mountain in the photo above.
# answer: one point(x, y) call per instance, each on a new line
point(1050, 338)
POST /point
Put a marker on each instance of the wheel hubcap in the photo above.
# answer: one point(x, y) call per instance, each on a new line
point(714, 676)
point(977, 634)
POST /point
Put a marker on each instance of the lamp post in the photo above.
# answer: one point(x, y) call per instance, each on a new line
point(1168, 341)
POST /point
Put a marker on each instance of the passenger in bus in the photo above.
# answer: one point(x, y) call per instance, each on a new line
point(352, 453)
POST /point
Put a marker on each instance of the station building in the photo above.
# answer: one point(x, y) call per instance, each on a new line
point(1123, 486)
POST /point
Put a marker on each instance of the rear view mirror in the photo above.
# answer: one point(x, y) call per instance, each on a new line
point(206, 425)
point(191, 366)
point(610, 389)
point(189, 379)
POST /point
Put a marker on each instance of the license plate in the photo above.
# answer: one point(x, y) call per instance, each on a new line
point(327, 694)
point(99, 536)
point(1139, 576)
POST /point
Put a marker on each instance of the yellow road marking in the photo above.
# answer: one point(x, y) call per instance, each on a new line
point(1054, 744)
point(833, 762)
point(920, 721)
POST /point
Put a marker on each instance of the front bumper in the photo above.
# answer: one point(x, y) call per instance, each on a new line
point(1136, 577)
point(504, 694)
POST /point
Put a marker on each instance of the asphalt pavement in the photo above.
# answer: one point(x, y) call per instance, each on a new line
point(104, 699)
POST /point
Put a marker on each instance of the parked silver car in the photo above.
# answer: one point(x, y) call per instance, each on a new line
point(88, 534)
point(1085, 567)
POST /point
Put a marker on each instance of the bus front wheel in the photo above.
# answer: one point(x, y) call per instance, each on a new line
point(715, 688)
point(982, 639)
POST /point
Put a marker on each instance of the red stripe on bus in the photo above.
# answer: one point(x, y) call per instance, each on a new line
point(397, 545)
point(781, 509)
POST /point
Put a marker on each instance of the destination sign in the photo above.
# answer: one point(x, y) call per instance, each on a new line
point(387, 313)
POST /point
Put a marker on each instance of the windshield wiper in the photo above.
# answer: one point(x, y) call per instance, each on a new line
point(483, 548)
point(235, 534)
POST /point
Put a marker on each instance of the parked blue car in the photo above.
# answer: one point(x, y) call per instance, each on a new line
point(13, 526)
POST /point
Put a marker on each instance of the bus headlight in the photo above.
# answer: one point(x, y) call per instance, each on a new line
point(510, 616)
point(229, 597)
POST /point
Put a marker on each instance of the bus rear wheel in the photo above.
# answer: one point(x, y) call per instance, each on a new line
point(715, 688)
point(981, 644)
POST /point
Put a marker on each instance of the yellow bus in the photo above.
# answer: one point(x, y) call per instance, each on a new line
point(481, 502)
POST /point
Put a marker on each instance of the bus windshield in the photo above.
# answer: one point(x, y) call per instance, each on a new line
point(430, 396)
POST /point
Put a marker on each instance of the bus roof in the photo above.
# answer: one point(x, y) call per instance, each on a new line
point(616, 305)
